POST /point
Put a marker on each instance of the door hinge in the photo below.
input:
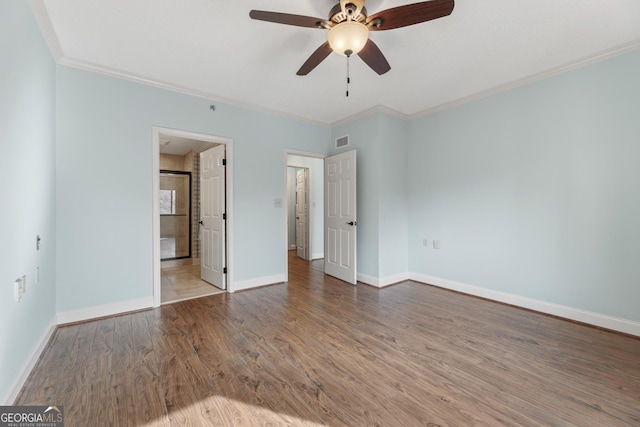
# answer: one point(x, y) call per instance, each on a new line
point(224, 270)
point(224, 162)
point(224, 216)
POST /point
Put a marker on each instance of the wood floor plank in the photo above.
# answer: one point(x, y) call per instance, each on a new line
point(316, 351)
point(149, 397)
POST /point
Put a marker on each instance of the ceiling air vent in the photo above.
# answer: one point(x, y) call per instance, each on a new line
point(343, 141)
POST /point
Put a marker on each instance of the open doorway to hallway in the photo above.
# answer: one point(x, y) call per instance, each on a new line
point(305, 208)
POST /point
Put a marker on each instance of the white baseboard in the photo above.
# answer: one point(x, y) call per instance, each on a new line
point(104, 310)
point(317, 255)
point(292, 247)
point(591, 318)
point(28, 366)
point(384, 281)
point(257, 282)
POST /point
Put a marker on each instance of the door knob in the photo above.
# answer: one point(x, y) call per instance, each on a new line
point(201, 222)
point(352, 223)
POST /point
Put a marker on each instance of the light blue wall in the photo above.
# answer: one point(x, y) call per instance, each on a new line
point(104, 183)
point(27, 183)
point(380, 142)
point(535, 192)
point(363, 137)
point(393, 216)
point(316, 205)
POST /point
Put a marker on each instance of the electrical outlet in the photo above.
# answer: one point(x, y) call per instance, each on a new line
point(425, 242)
point(277, 203)
point(37, 276)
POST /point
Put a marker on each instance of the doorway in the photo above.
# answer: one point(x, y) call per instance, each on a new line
point(304, 216)
point(177, 226)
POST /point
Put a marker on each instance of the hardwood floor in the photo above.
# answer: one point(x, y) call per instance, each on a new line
point(317, 351)
point(184, 282)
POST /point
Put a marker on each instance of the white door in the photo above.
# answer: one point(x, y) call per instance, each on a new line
point(340, 216)
point(212, 216)
point(302, 214)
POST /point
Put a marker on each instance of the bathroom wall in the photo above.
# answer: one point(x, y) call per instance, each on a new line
point(190, 162)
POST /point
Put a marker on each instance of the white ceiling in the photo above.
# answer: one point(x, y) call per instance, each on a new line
point(180, 146)
point(213, 49)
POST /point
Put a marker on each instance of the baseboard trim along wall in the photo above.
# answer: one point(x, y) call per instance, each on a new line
point(583, 316)
point(104, 310)
point(29, 364)
point(384, 281)
point(256, 283)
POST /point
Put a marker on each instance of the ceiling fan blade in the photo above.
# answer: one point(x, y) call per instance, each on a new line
point(287, 18)
point(409, 14)
point(315, 59)
point(373, 57)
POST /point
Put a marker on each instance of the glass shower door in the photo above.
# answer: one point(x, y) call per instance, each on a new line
point(175, 215)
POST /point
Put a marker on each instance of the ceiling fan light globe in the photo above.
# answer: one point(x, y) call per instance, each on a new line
point(348, 36)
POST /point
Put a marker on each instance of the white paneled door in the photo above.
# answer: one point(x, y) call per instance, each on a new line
point(212, 216)
point(302, 214)
point(340, 216)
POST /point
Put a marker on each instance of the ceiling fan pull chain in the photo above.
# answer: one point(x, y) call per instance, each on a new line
point(348, 78)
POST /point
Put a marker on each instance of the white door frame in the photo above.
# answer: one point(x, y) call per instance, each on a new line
point(155, 220)
point(288, 152)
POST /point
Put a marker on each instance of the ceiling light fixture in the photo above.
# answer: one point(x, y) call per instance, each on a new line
point(348, 38)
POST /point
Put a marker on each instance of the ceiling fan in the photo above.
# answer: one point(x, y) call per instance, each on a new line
point(349, 26)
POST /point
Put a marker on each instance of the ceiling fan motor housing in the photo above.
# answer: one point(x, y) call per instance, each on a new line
point(337, 15)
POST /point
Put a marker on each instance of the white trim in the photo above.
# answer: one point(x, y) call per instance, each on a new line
point(46, 28)
point(155, 220)
point(258, 281)
point(588, 317)
point(377, 109)
point(583, 62)
point(287, 153)
point(317, 255)
point(42, 18)
point(383, 282)
point(123, 75)
point(106, 310)
point(12, 394)
point(301, 153)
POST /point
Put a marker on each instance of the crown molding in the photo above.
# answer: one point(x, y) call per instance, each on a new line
point(368, 112)
point(42, 18)
point(111, 72)
point(46, 28)
point(574, 65)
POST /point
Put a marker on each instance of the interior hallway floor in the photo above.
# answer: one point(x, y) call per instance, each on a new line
point(181, 283)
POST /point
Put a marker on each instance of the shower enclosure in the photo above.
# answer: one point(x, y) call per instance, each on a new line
point(175, 215)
